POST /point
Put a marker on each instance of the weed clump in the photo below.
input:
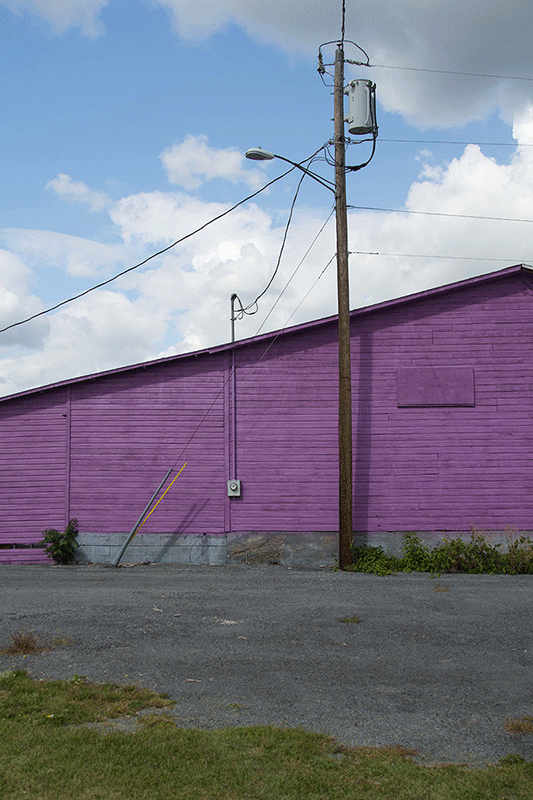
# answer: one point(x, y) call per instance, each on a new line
point(61, 546)
point(519, 726)
point(476, 556)
point(23, 643)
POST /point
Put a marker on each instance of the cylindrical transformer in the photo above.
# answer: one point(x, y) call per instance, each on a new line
point(361, 117)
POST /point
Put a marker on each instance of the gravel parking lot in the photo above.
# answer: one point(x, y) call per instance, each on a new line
point(436, 664)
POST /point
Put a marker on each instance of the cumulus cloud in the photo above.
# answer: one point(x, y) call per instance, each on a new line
point(77, 256)
point(16, 303)
point(464, 36)
point(181, 300)
point(457, 35)
point(78, 192)
point(64, 14)
point(100, 331)
point(193, 162)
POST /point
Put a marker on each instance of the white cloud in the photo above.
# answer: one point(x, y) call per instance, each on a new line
point(16, 303)
point(100, 331)
point(77, 256)
point(458, 35)
point(64, 14)
point(78, 192)
point(193, 162)
point(180, 301)
point(465, 36)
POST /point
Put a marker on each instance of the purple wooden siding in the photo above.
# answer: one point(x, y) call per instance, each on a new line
point(447, 468)
point(438, 468)
point(435, 386)
point(97, 448)
point(287, 434)
point(128, 429)
point(32, 473)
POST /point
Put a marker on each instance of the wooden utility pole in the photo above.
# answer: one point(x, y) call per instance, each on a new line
point(345, 369)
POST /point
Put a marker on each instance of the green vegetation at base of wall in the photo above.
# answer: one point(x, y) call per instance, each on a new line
point(61, 546)
point(451, 555)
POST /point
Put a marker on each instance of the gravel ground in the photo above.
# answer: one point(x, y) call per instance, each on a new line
point(434, 664)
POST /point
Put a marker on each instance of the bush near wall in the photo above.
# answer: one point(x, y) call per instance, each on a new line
point(61, 546)
point(476, 556)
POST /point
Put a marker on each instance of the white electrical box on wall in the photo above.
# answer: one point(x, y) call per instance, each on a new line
point(234, 488)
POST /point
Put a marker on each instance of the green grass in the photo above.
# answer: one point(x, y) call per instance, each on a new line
point(44, 755)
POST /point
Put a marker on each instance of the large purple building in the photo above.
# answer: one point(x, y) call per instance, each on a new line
point(442, 437)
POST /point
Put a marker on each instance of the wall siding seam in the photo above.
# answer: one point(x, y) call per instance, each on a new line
point(67, 454)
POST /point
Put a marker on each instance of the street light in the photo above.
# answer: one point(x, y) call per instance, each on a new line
point(361, 121)
point(258, 154)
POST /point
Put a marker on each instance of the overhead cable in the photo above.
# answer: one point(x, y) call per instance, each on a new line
point(444, 141)
point(149, 258)
point(438, 214)
point(433, 255)
point(447, 72)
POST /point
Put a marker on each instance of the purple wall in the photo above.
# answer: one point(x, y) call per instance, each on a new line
point(128, 429)
point(442, 396)
point(33, 450)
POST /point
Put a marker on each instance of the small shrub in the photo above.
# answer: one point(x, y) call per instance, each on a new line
point(373, 559)
point(61, 546)
point(476, 556)
point(416, 556)
point(520, 555)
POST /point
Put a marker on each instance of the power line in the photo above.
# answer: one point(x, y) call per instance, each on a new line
point(443, 141)
point(282, 248)
point(433, 255)
point(447, 72)
point(439, 214)
point(294, 273)
point(154, 255)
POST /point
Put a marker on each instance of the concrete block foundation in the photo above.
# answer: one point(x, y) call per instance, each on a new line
point(314, 549)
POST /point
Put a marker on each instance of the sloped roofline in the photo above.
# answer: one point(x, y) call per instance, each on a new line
point(519, 269)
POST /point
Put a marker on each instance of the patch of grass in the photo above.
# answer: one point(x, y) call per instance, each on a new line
point(61, 641)
point(157, 721)
point(476, 556)
point(56, 703)
point(519, 726)
point(355, 620)
point(44, 759)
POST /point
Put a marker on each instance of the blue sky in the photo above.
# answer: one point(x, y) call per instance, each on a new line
point(124, 125)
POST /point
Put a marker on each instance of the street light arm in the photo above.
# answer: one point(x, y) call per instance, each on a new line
point(257, 154)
